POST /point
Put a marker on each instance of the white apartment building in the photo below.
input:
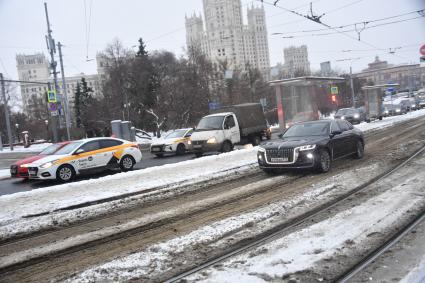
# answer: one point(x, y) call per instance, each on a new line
point(225, 39)
point(35, 68)
point(296, 60)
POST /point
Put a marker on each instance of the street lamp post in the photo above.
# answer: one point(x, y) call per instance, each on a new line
point(17, 132)
point(47, 129)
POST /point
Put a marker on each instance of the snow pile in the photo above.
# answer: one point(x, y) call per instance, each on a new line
point(32, 148)
point(52, 198)
point(302, 249)
point(4, 174)
point(390, 121)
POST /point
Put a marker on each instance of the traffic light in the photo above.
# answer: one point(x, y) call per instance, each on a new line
point(333, 98)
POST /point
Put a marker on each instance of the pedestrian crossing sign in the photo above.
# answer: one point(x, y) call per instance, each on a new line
point(51, 96)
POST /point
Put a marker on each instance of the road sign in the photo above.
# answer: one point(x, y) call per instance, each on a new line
point(53, 107)
point(422, 50)
point(334, 90)
point(51, 96)
point(214, 105)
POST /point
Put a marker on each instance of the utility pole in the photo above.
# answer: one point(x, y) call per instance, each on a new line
point(352, 86)
point(65, 94)
point(51, 46)
point(6, 113)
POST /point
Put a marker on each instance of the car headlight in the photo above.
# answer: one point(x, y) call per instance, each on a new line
point(397, 110)
point(307, 147)
point(189, 142)
point(356, 116)
point(25, 165)
point(212, 140)
point(386, 112)
point(47, 165)
point(261, 149)
point(342, 118)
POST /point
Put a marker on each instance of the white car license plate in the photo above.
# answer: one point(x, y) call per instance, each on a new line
point(197, 146)
point(279, 159)
point(155, 149)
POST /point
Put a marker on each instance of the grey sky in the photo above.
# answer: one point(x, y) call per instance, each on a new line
point(161, 24)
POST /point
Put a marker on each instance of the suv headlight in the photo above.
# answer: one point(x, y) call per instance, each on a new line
point(212, 140)
point(398, 110)
point(356, 116)
point(189, 142)
point(307, 147)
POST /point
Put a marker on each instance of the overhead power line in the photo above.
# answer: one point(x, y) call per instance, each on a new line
point(354, 24)
point(354, 29)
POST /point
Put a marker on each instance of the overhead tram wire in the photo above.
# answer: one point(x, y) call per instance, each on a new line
point(353, 24)
point(317, 20)
point(349, 30)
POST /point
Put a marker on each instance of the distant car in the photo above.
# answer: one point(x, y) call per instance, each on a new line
point(86, 156)
point(394, 109)
point(311, 145)
point(19, 169)
point(177, 142)
point(420, 99)
point(352, 115)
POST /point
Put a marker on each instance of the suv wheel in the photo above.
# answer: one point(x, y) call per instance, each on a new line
point(324, 161)
point(359, 150)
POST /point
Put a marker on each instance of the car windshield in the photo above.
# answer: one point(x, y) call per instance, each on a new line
point(67, 149)
point(308, 129)
point(51, 149)
point(210, 123)
point(176, 134)
point(346, 111)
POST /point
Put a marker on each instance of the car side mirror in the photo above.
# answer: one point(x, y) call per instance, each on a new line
point(226, 127)
point(79, 151)
point(334, 133)
point(188, 136)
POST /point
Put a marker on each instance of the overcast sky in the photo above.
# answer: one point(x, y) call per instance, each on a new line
point(161, 24)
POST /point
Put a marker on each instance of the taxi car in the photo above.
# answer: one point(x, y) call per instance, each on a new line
point(19, 169)
point(86, 156)
point(178, 142)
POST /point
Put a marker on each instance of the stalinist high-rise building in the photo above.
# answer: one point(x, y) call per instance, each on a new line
point(224, 37)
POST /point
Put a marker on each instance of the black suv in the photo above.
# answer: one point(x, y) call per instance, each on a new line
point(311, 145)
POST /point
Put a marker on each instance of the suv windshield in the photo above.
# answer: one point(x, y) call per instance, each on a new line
point(67, 149)
point(210, 123)
point(50, 149)
point(308, 129)
point(176, 134)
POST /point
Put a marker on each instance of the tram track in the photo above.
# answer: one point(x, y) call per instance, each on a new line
point(278, 231)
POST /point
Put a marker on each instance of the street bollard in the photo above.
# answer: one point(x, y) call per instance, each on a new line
point(116, 129)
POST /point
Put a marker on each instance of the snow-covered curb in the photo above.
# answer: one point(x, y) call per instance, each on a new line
point(4, 174)
point(53, 198)
point(33, 148)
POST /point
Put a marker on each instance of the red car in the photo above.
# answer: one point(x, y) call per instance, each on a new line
point(19, 169)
